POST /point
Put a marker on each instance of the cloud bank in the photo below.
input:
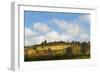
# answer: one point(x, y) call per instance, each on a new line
point(68, 31)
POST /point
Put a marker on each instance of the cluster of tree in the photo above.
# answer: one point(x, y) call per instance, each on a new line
point(64, 42)
point(52, 43)
point(74, 42)
point(85, 46)
point(44, 43)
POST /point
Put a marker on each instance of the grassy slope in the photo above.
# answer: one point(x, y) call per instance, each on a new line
point(31, 54)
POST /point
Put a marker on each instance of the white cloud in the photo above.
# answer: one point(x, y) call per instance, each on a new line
point(28, 35)
point(74, 29)
point(70, 28)
point(66, 37)
point(52, 36)
point(84, 18)
point(84, 37)
point(38, 39)
point(29, 32)
point(34, 40)
point(41, 27)
point(28, 42)
point(55, 36)
point(60, 23)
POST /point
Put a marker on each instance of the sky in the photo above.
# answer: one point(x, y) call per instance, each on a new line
point(55, 26)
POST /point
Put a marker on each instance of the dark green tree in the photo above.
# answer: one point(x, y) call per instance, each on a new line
point(45, 41)
point(73, 42)
point(84, 46)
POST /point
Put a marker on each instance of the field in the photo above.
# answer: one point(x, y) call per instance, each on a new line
point(56, 51)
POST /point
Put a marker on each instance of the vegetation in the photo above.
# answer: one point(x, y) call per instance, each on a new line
point(57, 50)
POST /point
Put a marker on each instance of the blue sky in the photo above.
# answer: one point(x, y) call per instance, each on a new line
point(43, 25)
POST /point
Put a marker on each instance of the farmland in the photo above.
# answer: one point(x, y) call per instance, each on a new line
point(57, 51)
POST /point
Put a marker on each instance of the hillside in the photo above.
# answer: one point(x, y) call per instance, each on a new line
point(53, 49)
